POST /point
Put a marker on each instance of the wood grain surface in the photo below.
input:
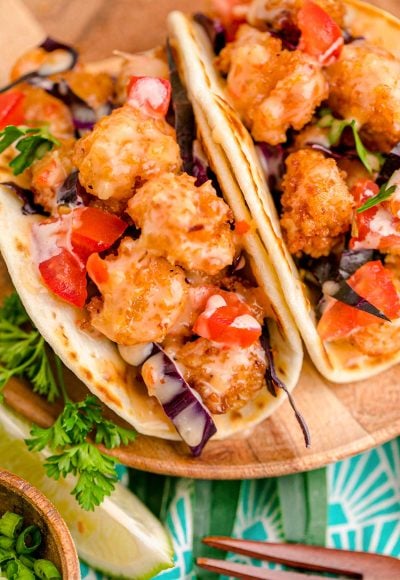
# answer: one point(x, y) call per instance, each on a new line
point(99, 26)
point(343, 419)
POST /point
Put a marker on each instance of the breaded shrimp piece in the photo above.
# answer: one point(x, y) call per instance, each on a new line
point(354, 170)
point(142, 295)
point(273, 11)
point(96, 89)
point(125, 149)
point(365, 86)
point(273, 89)
point(188, 225)
point(378, 339)
point(317, 206)
point(50, 172)
point(42, 109)
point(225, 377)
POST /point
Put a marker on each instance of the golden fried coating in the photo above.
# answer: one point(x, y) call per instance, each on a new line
point(225, 377)
point(273, 89)
point(96, 89)
point(377, 339)
point(42, 109)
point(125, 149)
point(354, 171)
point(273, 11)
point(50, 172)
point(188, 225)
point(364, 84)
point(142, 296)
point(317, 206)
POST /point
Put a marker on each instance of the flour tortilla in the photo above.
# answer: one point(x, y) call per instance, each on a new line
point(95, 360)
point(339, 363)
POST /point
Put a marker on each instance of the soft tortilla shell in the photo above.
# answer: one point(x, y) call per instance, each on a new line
point(339, 363)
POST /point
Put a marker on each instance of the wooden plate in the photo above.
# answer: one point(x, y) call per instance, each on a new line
point(343, 419)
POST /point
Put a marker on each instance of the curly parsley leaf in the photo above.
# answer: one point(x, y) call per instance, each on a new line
point(23, 351)
point(371, 161)
point(383, 194)
point(74, 454)
point(32, 144)
point(95, 472)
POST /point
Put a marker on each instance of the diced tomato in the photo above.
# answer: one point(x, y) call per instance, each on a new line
point(227, 320)
point(241, 227)
point(12, 109)
point(374, 283)
point(95, 230)
point(150, 94)
point(65, 275)
point(362, 234)
point(97, 269)
point(321, 37)
point(69, 241)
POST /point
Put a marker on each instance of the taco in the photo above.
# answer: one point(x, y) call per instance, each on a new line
point(316, 86)
point(133, 251)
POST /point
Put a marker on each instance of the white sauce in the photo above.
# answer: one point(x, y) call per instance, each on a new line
point(135, 355)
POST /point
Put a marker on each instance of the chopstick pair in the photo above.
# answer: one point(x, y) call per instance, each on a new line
point(311, 558)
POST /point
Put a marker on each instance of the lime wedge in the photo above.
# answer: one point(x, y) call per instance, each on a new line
point(120, 538)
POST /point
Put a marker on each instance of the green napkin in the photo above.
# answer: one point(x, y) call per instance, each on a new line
point(353, 504)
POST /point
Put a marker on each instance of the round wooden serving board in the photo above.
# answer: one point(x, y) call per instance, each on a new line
point(343, 419)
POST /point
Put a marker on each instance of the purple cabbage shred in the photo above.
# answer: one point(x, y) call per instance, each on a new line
point(214, 30)
point(29, 206)
point(274, 382)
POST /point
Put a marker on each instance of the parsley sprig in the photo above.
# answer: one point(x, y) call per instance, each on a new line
point(371, 161)
point(68, 437)
point(32, 144)
point(23, 353)
point(384, 193)
point(22, 350)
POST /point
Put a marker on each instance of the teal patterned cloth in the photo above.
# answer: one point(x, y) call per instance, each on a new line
point(363, 510)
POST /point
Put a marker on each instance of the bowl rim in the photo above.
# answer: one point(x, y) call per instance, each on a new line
point(70, 568)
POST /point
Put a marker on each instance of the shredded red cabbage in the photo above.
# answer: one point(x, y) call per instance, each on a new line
point(180, 402)
point(391, 164)
point(274, 382)
point(286, 30)
point(49, 45)
point(214, 30)
point(200, 171)
point(184, 117)
point(29, 206)
point(68, 193)
point(338, 269)
point(344, 293)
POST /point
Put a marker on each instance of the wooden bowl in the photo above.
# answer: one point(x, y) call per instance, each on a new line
point(19, 496)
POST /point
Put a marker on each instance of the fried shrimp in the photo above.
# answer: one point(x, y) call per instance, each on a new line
point(317, 206)
point(141, 295)
point(42, 109)
point(188, 225)
point(49, 173)
point(273, 89)
point(225, 377)
point(125, 149)
point(96, 89)
point(378, 339)
point(365, 86)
